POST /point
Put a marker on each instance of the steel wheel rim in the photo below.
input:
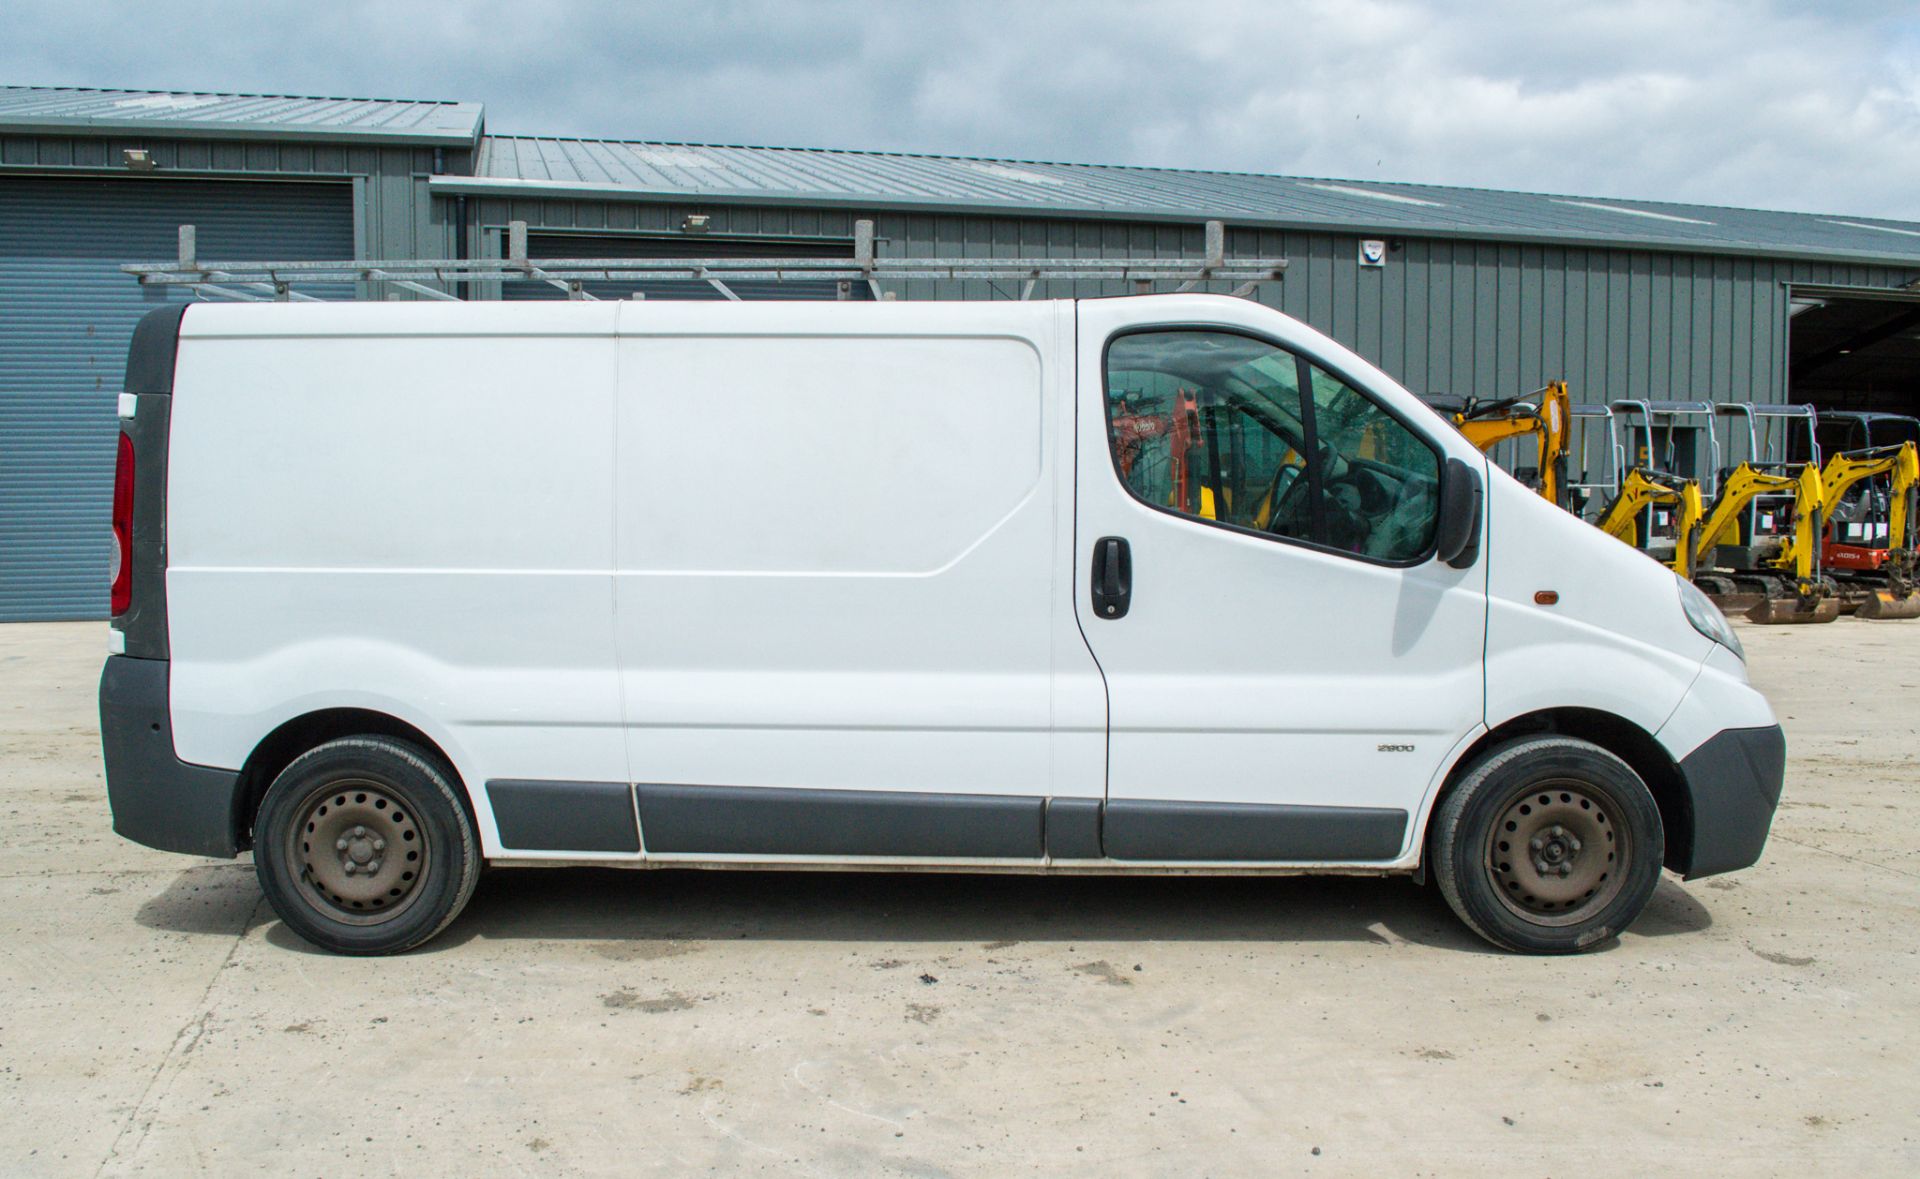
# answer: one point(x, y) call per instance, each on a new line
point(358, 852)
point(1557, 852)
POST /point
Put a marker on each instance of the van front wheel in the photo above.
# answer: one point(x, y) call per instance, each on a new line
point(362, 847)
point(1547, 845)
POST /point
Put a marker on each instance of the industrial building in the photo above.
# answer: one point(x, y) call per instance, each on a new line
point(1448, 289)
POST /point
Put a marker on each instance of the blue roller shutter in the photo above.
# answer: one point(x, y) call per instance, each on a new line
point(66, 315)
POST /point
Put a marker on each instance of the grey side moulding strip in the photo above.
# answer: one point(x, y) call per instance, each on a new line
point(1156, 830)
point(780, 821)
point(775, 821)
point(1073, 828)
point(564, 816)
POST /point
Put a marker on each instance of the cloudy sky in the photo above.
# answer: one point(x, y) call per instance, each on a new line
point(1811, 106)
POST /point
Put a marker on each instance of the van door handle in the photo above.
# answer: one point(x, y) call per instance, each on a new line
point(1112, 577)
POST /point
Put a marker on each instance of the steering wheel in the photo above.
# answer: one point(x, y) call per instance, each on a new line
point(1292, 510)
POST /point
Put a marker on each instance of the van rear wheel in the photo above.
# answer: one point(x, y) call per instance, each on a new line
point(1548, 845)
point(362, 847)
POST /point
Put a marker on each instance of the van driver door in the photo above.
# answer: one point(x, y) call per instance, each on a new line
point(1287, 665)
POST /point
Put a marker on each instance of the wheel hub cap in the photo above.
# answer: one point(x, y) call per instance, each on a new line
point(357, 850)
point(1556, 852)
point(362, 852)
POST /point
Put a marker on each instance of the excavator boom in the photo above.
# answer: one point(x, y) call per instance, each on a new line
point(1797, 558)
point(1643, 489)
point(1544, 414)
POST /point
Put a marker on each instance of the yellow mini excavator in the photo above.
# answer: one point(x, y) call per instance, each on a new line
point(1784, 570)
point(1543, 413)
point(1857, 564)
point(1641, 492)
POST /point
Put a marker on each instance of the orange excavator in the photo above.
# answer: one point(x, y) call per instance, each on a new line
point(1881, 577)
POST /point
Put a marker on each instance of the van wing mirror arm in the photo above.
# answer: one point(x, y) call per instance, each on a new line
point(1462, 499)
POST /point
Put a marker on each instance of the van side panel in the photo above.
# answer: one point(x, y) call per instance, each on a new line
point(839, 559)
point(400, 509)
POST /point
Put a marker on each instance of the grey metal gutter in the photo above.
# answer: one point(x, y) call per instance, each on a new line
point(1816, 290)
point(139, 129)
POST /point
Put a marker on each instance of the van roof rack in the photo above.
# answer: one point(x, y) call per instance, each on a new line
point(261, 281)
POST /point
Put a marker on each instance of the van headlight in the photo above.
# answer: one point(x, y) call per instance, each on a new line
point(1707, 619)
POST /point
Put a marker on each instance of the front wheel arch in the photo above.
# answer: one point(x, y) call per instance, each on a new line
point(1618, 736)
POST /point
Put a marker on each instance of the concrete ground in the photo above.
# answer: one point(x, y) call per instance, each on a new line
point(157, 1018)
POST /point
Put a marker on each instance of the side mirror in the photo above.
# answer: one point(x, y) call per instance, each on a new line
point(1457, 539)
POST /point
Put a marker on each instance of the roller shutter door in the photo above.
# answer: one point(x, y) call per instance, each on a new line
point(66, 315)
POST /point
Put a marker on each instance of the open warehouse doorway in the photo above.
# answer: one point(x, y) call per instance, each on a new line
point(1854, 348)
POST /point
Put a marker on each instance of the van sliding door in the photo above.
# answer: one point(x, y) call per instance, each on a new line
point(840, 581)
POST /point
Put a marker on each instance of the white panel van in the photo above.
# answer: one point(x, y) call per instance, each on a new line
point(1159, 584)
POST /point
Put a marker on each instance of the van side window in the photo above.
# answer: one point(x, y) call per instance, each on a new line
point(1215, 426)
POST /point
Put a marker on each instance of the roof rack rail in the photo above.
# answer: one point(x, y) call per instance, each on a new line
point(261, 281)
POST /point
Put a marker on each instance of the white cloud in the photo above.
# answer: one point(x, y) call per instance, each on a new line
point(1713, 101)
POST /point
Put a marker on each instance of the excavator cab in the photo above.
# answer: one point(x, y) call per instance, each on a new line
point(1677, 437)
point(1857, 538)
point(1596, 460)
point(1764, 440)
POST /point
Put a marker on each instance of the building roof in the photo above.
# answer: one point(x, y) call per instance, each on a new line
point(70, 110)
point(874, 181)
point(532, 166)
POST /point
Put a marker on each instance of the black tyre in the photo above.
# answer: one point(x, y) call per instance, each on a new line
point(1547, 845)
point(362, 846)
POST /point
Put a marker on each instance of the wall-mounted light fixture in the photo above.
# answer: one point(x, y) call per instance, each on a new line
point(137, 159)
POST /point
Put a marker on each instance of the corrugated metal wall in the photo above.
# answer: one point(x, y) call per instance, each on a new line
point(1498, 319)
point(589, 245)
point(1486, 318)
point(66, 317)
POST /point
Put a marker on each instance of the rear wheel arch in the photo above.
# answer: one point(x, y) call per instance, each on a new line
point(1618, 736)
point(278, 750)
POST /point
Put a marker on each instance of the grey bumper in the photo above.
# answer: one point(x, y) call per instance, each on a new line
point(158, 799)
point(1733, 783)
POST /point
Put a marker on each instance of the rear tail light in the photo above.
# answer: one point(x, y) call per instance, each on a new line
point(122, 567)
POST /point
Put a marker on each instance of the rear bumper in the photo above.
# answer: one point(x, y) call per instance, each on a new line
point(1733, 784)
point(157, 799)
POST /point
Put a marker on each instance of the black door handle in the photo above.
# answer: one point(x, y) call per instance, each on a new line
point(1112, 577)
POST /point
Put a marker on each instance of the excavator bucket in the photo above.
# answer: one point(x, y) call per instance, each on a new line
point(1737, 602)
point(1882, 605)
point(1777, 611)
